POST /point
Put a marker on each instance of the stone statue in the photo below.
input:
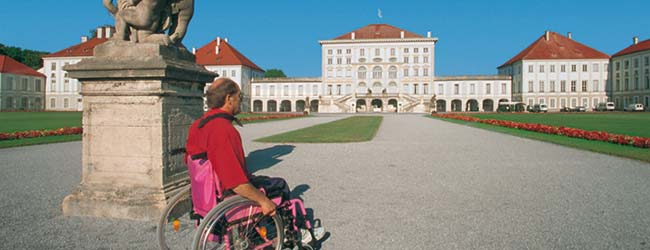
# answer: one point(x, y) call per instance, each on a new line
point(433, 104)
point(145, 21)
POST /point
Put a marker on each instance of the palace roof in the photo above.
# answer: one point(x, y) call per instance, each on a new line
point(82, 49)
point(378, 31)
point(227, 55)
point(641, 46)
point(11, 66)
point(556, 47)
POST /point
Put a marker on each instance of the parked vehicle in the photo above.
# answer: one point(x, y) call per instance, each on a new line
point(634, 107)
point(579, 109)
point(565, 109)
point(540, 108)
point(605, 106)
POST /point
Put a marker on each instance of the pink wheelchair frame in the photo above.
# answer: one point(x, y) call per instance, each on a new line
point(206, 193)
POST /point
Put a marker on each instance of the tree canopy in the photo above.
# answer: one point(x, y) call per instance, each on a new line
point(274, 73)
point(30, 58)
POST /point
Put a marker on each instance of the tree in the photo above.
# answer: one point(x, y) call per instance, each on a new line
point(30, 58)
point(274, 73)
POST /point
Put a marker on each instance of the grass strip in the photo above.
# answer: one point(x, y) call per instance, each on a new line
point(641, 154)
point(352, 129)
point(23, 121)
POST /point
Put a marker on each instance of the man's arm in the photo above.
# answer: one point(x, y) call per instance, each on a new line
point(248, 191)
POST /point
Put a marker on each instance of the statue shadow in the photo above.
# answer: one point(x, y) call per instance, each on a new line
point(266, 158)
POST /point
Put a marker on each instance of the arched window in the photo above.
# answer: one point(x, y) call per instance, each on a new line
point(362, 73)
point(376, 72)
point(362, 84)
point(376, 85)
point(392, 72)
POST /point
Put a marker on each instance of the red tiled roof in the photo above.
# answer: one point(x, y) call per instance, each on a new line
point(82, 49)
point(641, 46)
point(378, 31)
point(228, 55)
point(11, 66)
point(557, 47)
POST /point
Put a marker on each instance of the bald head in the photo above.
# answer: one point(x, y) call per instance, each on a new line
point(219, 90)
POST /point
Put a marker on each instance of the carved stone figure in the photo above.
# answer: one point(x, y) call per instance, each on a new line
point(145, 21)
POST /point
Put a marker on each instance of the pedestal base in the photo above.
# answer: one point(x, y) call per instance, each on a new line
point(132, 203)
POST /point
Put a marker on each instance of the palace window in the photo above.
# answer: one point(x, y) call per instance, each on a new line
point(573, 86)
point(53, 66)
point(488, 88)
point(416, 72)
point(406, 50)
point(647, 61)
point(562, 86)
point(425, 59)
point(595, 87)
point(361, 74)
point(530, 86)
point(472, 89)
point(425, 89)
point(376, 72)
point(627, 64)
point(392, 51)
point(66, 103)
point(415, 50)
point(563, 68)
point(530, 68)
point(348, 60)
point(392, 72)
point(362, 52)
point(329, 61)
point(426, 50)
point(415, 88)
point(425, 71)
point(584, 86)
point(271, 90)
point(377, 52)
point(257, 90)
point(584, 68)
point(406, 71)
point(441, 89)
point(416, 59)
point(504, 88)
point(314, 90)
point(285, 90)
point(552, 86)
point(329, 89)
point(456, 89)
point(406, 59)
point(541, 68)
point(329, 51)
point(596, 68)
point(339, 51)
point(552, 67)
point(574, 68)
point(37, 85)
point(541, 87)
point(636, 62)
point(348, 51)
point(25, 84)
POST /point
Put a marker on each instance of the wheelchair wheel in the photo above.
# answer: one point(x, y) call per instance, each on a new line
point(175, 227)
point(237, 223)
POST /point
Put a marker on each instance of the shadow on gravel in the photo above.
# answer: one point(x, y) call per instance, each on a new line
point(266, 158)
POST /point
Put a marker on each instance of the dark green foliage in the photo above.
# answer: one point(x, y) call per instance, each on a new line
point(274, 73)
point(30, 58)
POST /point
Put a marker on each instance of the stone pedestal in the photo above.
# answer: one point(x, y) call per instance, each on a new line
point(139, 100)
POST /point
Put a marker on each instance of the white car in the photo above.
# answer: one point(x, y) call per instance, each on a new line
point(634, 107)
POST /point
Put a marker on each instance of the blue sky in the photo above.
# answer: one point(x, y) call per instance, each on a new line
point(474, 36)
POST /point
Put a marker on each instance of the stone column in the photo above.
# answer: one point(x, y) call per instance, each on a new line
point(139, 100)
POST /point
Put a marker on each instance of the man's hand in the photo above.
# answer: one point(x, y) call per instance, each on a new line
point(249, 191)
point(268, 208)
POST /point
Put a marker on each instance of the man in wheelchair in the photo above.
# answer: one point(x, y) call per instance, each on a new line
point(214, 138)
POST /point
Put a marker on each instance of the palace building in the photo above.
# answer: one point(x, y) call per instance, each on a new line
point(379, 68)
point(21, 87)
point(630, 71)
point(558, 71)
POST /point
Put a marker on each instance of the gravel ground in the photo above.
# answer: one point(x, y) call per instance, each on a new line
point(420, 184)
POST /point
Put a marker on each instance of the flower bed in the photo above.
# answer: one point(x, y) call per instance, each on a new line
point(635, 141)
point(40, 133)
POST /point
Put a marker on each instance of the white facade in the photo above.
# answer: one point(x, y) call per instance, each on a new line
point(285, 94)
point(21, 92)
point(62, 92)
point(471, 93)
point(630, 81)
point(559, 83)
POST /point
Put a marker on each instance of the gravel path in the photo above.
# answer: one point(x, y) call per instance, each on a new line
point(420, 184)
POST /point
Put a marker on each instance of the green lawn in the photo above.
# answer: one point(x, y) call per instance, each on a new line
point(352, 129)
point(39, 140)
point(245, 115)
point(642, 154)
point(22, 121)
point(633, 124)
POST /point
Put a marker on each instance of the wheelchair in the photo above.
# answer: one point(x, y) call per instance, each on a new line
point(234, 223)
